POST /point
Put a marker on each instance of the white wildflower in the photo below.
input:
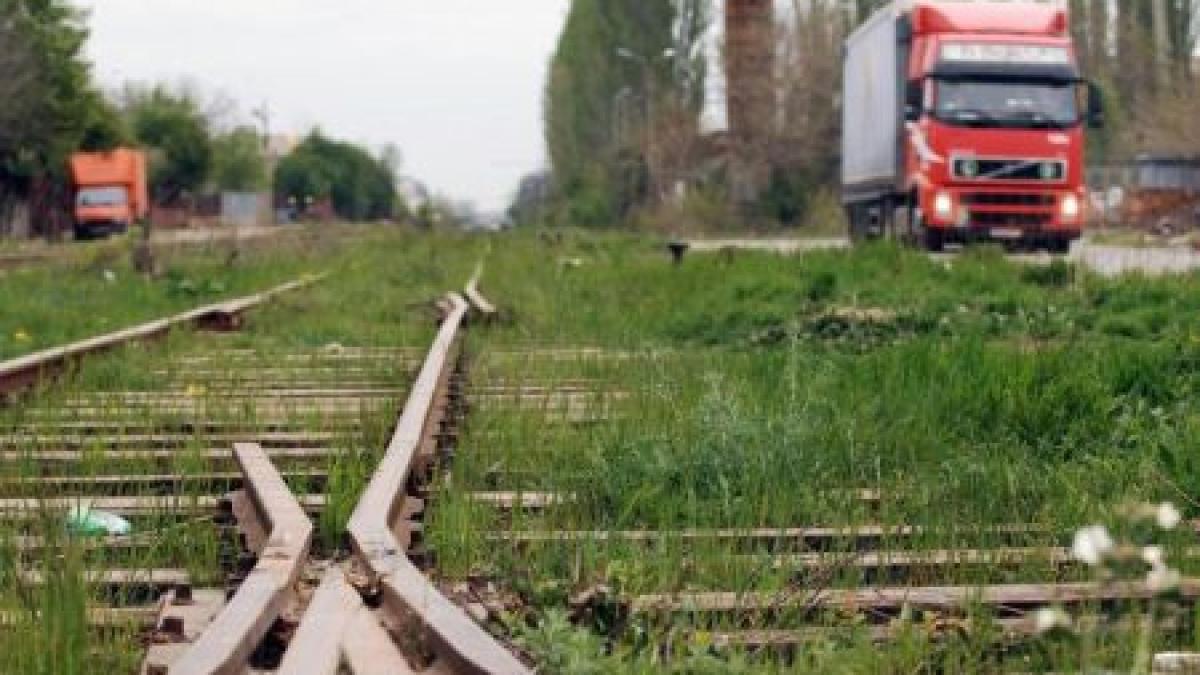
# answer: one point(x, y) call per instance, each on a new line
point(1154, 556)
point(1162, 579)
point(110, 276)
point(1167, 516)
point(1092, 544)
point(1051, 618)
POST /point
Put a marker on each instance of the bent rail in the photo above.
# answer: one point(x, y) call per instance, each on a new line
point(339, 633)
point(21, 373)
point(478, 302)
point(227, 645)
point(457, 640)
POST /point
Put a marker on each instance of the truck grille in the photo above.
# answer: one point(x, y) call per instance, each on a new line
point(989, 219)
point(1007, 199)
point(1049, 170)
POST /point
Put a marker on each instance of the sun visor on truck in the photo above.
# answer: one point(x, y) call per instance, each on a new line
point(1005, 71)
point(1005, 61)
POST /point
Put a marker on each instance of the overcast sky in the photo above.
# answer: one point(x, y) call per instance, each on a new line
point(456, 84)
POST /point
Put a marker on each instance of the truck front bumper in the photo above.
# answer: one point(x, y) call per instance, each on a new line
point(1004, 213)
point(99, 229)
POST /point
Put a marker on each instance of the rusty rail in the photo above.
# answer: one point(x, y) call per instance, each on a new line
point(478, 302)
point(460, 644)
point(22, 373)
point(339, 633)
point(227, 645)
point(339, 630)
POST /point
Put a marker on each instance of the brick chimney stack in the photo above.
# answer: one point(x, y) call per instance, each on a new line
point(750, 91)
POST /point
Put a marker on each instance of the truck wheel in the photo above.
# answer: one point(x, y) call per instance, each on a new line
point(856, 217)
point(1059, 245)
point(851, 224)
point(934, 240)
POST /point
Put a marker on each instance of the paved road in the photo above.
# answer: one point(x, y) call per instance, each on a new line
point(1117, 260)
point(1106, 260)
point(779, 245)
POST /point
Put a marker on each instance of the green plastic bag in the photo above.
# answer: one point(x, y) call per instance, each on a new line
point(84, 522)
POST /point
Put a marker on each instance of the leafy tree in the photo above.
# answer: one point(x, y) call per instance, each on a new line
point(361, 187)
point(49, 106)
point(618, 64)
point(173, 127)
point(238, 161)
point(21, 89)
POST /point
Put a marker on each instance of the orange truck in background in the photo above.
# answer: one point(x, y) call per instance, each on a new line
point(110, 192)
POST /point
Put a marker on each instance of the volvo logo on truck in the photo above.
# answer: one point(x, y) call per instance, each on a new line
point(964, 121)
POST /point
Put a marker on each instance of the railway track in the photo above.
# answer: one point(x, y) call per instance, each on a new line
point(240, 472)
point(762, 590)
point(368, 609)
point(279, 499)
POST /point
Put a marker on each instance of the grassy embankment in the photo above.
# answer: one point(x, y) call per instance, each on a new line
point(764, 392)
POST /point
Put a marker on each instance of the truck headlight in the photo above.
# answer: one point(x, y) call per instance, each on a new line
point(943, 205)
point(1070, 207)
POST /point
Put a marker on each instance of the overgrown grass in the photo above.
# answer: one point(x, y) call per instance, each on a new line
point(96, 291)
point(767, 392)
point(751, 391)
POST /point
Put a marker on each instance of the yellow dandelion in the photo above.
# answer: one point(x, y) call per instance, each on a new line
point(196, 390)
point(22, 336)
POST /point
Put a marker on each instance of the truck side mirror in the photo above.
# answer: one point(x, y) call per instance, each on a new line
point(1095, 112)
point(914, 99)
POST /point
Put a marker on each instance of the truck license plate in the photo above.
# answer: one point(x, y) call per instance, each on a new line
point(1006, 233)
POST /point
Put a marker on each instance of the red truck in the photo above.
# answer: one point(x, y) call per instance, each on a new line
point(963, 121)
point(110, 192)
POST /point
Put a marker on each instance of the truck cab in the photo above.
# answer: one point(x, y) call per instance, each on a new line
point(989, 136)
point(110, 192)
point(101, 211)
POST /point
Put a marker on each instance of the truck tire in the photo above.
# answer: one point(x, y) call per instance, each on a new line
point(1059, 245)
point(857, 219)
point(933, 239)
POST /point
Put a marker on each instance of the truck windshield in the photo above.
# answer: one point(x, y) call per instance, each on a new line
point(1032, 105)
point(110, 196)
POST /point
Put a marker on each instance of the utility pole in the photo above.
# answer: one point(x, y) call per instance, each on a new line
point(263, 115)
